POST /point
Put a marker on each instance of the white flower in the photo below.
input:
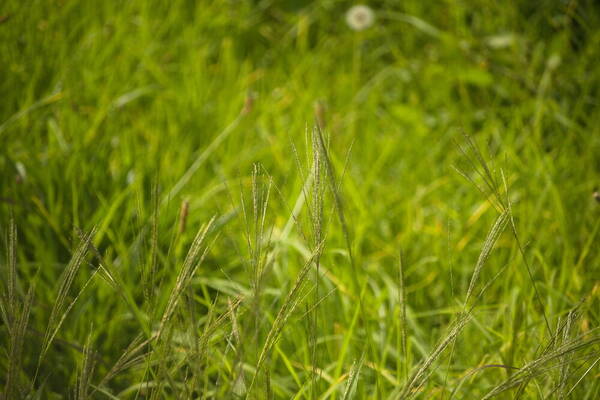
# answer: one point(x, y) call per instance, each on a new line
point(360, 17)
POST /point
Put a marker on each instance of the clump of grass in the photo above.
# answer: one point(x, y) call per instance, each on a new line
point(61, 306)
point(15, 316)
point(288, 306)
point(233, 267)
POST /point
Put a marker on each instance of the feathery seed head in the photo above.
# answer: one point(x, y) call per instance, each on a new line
point(360, 17)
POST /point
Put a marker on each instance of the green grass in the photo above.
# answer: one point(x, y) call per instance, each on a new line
point(237, 199)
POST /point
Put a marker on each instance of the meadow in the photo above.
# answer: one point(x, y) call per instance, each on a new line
point(255, 199)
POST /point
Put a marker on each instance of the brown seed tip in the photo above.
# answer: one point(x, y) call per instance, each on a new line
point(248, 103)
point(183, 214)
point(320, 114)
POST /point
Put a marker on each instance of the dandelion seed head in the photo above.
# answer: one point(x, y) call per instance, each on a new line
point(360, 17)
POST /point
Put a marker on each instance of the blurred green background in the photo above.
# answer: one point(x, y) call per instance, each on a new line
point(143, 119)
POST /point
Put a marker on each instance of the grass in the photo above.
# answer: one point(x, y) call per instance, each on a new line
point(251, 200)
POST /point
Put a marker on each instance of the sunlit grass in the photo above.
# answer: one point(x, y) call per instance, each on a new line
point(252, 200)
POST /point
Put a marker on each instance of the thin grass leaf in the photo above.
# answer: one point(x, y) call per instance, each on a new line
point(50, 334)
point(337, 201)
point(87, 370)
point(524, 257)
point(547, 363)
point(60, 309)
point(403, 320)
point(149, 275)
point(475, 371)
point(284, 313)
point(488, 246)
point(353, 378)
point(475, 159)
point(564, 371)
point(416, 380)
point(190, 265)
point(128, 359)
point(15, 347)
point(165, 330)
point(12, 268)
point(105, 271)
point(202, 157)
point(422, 372)
point(582, 376)
point(317, 233)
